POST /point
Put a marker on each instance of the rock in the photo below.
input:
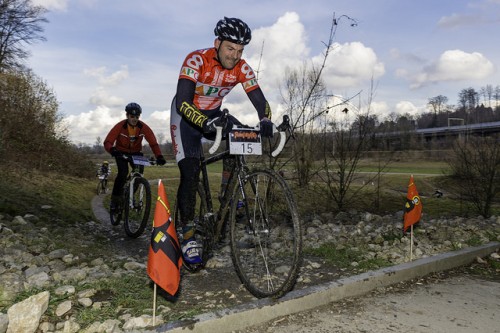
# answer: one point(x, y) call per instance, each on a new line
point(4, 322)
point(63, 308)
point(141, 322)
point(64, 290)
point(25, 315)
point(10, 285)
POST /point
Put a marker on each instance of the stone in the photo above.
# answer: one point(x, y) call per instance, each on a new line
point(25, 315)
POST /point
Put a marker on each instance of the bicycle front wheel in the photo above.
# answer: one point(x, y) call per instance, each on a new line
point(266, 237)
point(137, 207)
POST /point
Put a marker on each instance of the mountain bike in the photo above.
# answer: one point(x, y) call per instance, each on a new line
point(102, 185)
point(136, 202)
point(258, 207)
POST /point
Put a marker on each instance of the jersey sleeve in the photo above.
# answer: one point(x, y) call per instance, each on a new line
point(247, 77)
point(192, 66)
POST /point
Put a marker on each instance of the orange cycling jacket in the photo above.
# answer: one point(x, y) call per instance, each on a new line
point(212, 81)
point(131, 143)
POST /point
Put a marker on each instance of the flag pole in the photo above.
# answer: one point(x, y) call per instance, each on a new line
point(154, 305)
point(411, 243)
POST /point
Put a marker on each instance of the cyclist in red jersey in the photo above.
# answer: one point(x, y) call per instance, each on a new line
point(207, 76)
point(126, 138)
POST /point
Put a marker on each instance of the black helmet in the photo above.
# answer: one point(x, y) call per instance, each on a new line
point(133, 109)
point(233, 30)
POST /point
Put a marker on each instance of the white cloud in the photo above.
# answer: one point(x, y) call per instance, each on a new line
point(350, 65)
point(458, 20)
point(285, 46)
point(282, 45)
point(110, 80)
point(405, 107)
point(87, 126)
point(159, 121)
point(380, 109)
point(102, 97)
point(455, 65)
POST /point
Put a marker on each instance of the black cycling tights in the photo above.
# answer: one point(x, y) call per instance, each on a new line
point(186, 194)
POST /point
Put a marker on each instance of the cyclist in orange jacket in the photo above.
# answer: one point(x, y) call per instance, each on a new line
point(205, 78)
point(126, 138)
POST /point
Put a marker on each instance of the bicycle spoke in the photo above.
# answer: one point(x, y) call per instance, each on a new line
point(266, 240)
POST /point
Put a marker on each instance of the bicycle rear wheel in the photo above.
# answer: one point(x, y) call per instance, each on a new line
point(266, 237)
point(137, 208)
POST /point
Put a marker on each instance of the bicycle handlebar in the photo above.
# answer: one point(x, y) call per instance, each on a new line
point(218, 139)
point(281, 129)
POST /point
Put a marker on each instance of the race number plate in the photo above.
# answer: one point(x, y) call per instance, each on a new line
point(140, 160)
point(244, 141)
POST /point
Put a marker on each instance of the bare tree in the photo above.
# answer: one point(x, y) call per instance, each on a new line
point(305, 96)
point(487, 93)
point(350, 137)
point(437, 104)
point(496, 96)
point(475, 164)
point(20, 25)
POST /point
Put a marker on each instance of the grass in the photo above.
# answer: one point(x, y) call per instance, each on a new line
point(71, 198)
point(342, 258)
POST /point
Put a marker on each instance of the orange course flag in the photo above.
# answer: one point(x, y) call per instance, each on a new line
point(164, 257)
point(413, 206)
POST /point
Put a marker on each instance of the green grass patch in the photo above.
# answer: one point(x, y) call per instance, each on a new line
point(344, 257)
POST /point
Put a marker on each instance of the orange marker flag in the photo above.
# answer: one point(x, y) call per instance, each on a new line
point(164, 257)
point(413, 206)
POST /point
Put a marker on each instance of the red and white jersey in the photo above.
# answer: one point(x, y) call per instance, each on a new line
point(213, 82)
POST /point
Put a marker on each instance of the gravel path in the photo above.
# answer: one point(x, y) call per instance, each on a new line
point(457, 304)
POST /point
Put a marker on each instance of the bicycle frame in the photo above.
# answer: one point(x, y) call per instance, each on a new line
point(258, 209)
point(218, 218)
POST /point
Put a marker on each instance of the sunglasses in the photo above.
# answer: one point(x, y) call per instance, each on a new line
point(134, 116)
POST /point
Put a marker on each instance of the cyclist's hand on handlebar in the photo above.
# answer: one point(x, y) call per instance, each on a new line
point(160, 160)
point(266, 128)
point(209, 126)
point(115, 152)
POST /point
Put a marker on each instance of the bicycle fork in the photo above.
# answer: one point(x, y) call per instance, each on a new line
point(131, 203)
point(258, 209)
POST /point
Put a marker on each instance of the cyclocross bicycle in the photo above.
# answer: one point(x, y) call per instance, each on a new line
point(136, 202)
point(264, 225)
point(102, 185)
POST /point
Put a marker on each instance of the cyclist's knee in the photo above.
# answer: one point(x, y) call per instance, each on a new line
point(189, 168)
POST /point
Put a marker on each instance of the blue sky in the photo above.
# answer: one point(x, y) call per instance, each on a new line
point(102, 54)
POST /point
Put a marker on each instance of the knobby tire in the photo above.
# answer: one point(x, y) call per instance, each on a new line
point(137, 213)
point(266, 236)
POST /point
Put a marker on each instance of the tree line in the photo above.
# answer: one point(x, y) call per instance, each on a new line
point(32, 130)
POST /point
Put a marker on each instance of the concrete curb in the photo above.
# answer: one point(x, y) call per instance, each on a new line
point(264, 310)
